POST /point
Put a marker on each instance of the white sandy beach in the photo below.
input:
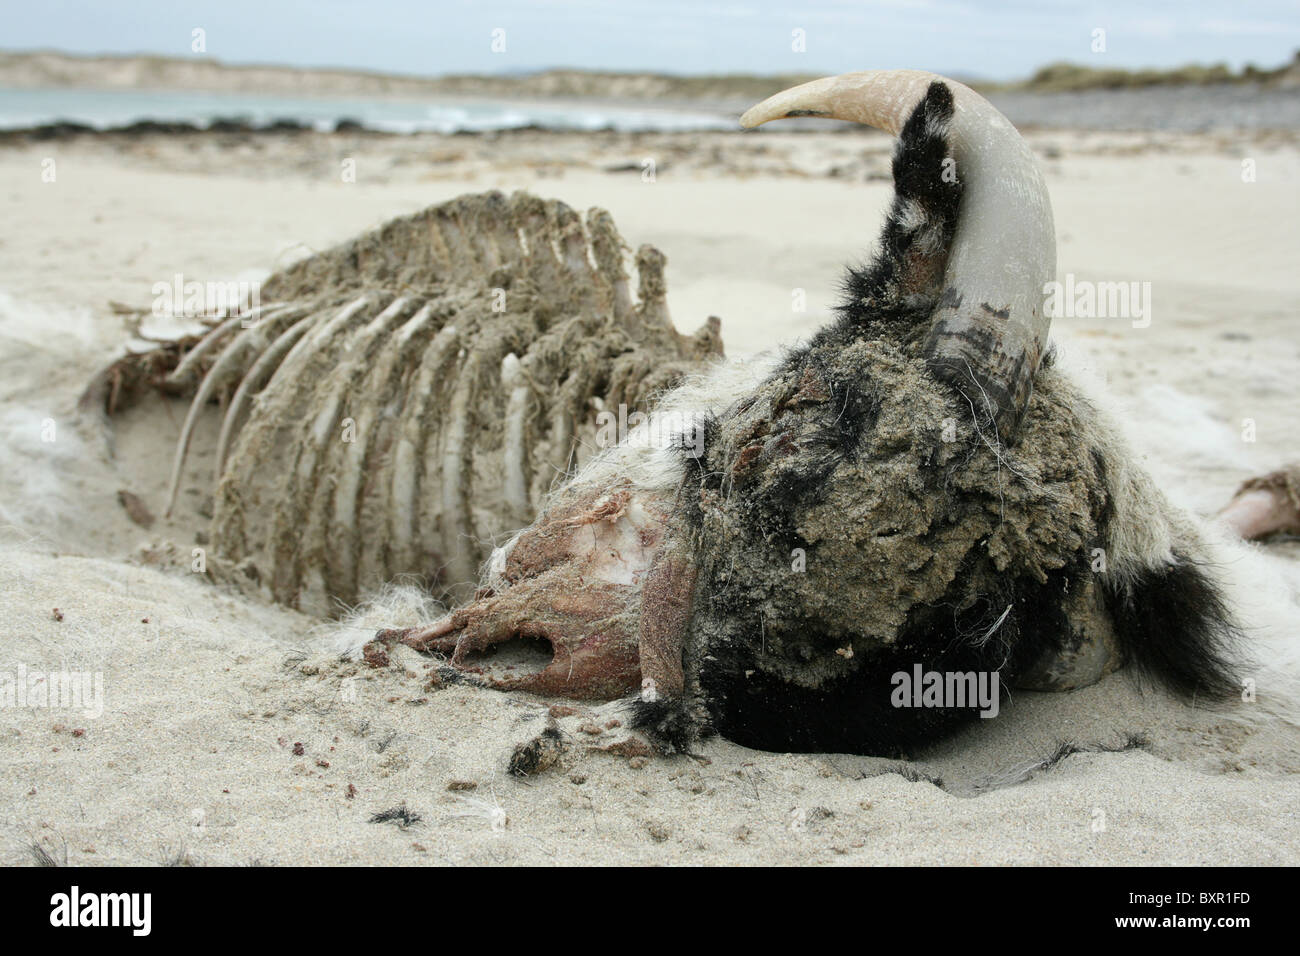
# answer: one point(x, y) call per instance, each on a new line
point(231, 732)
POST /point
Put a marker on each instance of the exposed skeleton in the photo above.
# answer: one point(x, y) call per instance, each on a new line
point(398, 403)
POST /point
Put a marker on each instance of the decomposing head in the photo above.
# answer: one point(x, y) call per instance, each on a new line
point(914, 490)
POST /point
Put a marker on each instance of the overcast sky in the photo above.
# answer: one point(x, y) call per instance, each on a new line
point(984, 38)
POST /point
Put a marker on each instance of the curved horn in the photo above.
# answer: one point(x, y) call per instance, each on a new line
point(990, 329)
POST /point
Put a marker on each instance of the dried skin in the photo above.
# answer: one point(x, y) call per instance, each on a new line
point(1266, 505)
point(574, 580)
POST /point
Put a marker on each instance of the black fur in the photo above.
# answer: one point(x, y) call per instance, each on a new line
point(905, 276)
point(1174, 626)
point(399, 815)
point(668, 721)
point(537, 754)
point(856, 715)
point(696, 473)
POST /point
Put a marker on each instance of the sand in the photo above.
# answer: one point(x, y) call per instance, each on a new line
point(232, 733)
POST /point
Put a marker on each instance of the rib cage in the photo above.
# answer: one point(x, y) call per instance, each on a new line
point(397, 403)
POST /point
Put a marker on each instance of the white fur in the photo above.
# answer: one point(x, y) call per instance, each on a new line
point(1147, 527)
point(391, 607)
point(647, 458)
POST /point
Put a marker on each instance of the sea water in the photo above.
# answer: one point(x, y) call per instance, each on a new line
point(102, 109)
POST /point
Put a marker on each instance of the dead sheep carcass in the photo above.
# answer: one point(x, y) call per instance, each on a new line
point(916, 488)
